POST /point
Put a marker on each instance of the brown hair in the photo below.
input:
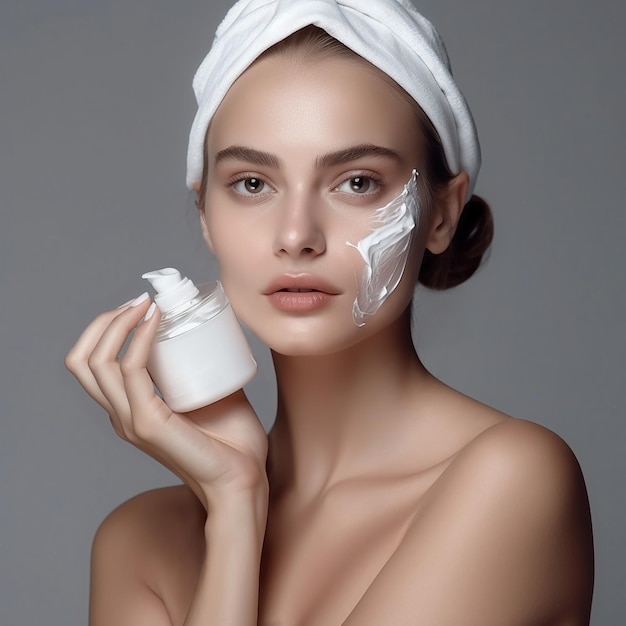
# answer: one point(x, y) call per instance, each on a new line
point(474, 230)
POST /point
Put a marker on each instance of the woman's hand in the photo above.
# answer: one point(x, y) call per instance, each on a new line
point(218, 450)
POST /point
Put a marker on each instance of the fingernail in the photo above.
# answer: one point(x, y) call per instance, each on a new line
point(142, 298)
point(149, 312)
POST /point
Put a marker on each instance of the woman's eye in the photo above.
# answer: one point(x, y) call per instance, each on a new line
point(250, 186)
point(362, 185)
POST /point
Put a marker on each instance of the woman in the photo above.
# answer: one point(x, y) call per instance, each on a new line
point(331, 178)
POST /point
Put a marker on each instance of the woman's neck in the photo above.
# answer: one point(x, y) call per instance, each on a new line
point(339, 415)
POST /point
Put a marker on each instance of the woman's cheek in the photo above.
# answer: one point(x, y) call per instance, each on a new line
point(385, 251)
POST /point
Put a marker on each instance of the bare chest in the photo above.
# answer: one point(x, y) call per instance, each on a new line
point(318, 563)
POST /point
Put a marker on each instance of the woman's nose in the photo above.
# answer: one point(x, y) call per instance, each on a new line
point(299, 229)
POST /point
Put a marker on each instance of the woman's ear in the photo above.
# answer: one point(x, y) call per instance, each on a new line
point(445, 213)
point(203, 224)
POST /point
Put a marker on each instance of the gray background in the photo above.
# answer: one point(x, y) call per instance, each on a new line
point(96, 103)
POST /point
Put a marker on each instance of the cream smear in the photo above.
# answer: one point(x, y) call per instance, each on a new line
point(385, 251)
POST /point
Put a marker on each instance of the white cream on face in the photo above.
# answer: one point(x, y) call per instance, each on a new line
point(385, 251)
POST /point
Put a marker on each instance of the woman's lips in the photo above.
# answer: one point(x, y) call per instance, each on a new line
point(299, 301)
point(300, 293)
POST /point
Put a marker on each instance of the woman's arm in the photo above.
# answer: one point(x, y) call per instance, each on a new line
point(229, 582)
point(503, 538)
point(219, 451)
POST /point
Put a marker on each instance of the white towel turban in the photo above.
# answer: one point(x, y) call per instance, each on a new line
point(390, 34)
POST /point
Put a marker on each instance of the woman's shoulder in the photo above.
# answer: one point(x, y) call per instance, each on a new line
point(522, 465)
point(513, 440)
point(504, 530)
point(502, 536)
point(515, 494)
point(479, 453)
point(489, 442)
point(523, 456)
point(153, 514)
point(147, 553)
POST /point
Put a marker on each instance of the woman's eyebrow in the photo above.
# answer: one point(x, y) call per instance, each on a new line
point(355, 152)
point(251, 155)
point(339, 157)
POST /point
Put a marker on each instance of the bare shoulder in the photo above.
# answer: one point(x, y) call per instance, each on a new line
point(502, 537)
point(497, 449)
point(152, 521)
point(530, 482)
point(521, 454)
point(146, 558)
point(518, 493)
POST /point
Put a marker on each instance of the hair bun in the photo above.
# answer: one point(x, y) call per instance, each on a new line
point(463, 256)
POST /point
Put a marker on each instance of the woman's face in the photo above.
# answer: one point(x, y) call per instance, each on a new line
point(300, 156)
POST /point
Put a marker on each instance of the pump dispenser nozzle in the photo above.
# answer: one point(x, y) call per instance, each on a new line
point(172, 289)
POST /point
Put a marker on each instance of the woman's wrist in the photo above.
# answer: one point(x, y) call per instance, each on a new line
point(239, 513)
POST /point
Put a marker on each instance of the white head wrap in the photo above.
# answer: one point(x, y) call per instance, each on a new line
point(390, 34)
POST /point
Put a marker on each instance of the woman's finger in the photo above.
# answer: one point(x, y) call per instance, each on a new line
point(77, 359)
point(88, 339)
point(145, 406)
point(104, 364)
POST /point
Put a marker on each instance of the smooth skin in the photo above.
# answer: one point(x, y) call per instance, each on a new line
point(380, 496)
